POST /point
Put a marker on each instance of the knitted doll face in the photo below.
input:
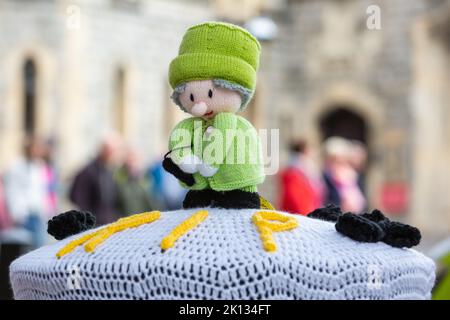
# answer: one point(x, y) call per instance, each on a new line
point(204, 99)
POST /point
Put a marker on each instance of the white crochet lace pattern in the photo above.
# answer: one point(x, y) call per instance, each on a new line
point(223, 258)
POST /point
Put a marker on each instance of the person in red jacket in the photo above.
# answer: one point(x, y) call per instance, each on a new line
point(5, 219)
point(300, 182)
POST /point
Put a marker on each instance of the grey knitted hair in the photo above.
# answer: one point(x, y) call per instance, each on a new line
point(245, 93)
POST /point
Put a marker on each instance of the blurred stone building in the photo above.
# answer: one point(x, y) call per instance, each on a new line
point(77, 70)
point(376, 71)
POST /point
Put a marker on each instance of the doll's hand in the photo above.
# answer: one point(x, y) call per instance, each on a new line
point(206, 170)
point(189, 164)
point(172, 168)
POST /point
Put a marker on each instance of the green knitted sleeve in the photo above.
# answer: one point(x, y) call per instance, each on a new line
point(180, 142)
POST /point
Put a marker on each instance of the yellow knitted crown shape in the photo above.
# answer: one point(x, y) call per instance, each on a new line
point(216, 50)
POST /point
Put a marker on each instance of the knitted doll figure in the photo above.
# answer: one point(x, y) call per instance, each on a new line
point(216, 154)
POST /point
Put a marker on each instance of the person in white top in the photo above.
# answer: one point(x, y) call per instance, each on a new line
point(25, 190)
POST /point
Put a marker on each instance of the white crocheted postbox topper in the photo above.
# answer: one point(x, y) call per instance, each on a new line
point(223, 258)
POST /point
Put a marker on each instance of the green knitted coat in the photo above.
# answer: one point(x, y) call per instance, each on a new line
point(233, 147)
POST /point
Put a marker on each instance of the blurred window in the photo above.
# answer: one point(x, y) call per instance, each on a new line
point(128, 5)
point(119, 112)
point(29, 80)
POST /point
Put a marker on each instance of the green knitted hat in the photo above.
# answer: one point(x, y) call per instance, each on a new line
point(216, 50)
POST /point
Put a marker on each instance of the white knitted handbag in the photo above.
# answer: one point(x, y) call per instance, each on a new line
point(224, 257)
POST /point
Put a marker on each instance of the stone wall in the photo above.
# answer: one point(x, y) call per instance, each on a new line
point(78, 47)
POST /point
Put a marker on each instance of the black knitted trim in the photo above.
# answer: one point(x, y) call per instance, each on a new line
point(400, 235)
point(359, 228)
point(234, 199)
point(374, 226)
point(329, 213)
point(375, 216)
point(198, 198)
point(70, 223)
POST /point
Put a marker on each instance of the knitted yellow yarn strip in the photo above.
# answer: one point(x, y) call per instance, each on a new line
point(265, 204)
point(188, 224)
point(264, 221)
point(75, 243)
point(94, 239)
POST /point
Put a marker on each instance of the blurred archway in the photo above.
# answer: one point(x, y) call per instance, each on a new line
point(342, 122)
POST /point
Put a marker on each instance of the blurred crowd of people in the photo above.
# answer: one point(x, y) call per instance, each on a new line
point(113, 184)
point(116, 183)
point(340, 180)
